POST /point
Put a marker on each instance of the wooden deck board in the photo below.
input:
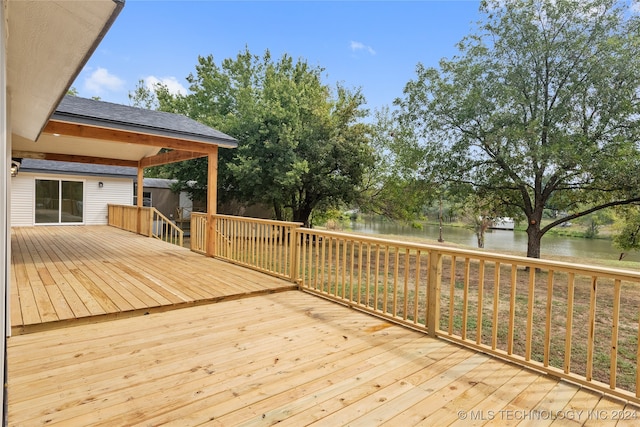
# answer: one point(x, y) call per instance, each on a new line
point(288, 358)
point(78, 272)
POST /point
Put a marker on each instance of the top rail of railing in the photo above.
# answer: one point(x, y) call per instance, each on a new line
point(578, 268)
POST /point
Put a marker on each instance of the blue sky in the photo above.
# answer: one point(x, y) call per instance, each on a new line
point(374, 45)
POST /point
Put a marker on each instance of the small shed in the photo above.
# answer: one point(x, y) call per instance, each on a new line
point(160, 193)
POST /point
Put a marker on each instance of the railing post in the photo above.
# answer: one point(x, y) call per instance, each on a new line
point(210, 233)
point(295, 252)
point(433, 292)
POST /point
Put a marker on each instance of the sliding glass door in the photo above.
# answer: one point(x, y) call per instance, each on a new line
point(59, 202)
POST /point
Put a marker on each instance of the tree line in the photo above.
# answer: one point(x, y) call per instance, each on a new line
point(538, 110)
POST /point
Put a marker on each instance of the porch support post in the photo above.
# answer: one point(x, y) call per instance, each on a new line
point(212, 198)
point(140, 198)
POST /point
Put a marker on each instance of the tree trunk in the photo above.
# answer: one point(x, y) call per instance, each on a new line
point(277, 209)
point(302, 215)
point(534, 239)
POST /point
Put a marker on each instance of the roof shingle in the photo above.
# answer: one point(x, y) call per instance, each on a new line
point(106, 114)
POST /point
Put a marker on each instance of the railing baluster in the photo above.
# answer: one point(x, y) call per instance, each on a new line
point(367, 289)
point(452, 290)
point(530, 305)
point(465, 297)
point(480, 302)
point(322, 264)
point(330, 257)
point(343, 274)
point(317, 270)
point(360, 267)
point(416, 291)
point(396, 270)
point(407, 260)
point(512, 308)
point(548, 314)
point(496, 305)
point(592, 328)
point(385, 279)
point(377, 275)
point(568, 334)
point(617, 285)
point(351, 270)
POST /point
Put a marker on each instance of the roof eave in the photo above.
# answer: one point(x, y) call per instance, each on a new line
point(92, 121)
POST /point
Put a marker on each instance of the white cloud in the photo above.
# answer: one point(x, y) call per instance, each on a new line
point(101, 81)
point(172, 84)
point(355, 46)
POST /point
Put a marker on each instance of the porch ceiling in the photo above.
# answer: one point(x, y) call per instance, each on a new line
point(74, 146)
point(49, 43)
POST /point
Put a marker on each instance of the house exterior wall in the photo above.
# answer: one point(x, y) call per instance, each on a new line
point(114, 191)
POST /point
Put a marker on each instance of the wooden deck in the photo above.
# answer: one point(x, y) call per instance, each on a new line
point(63, 275)
point(282, 356)
point(288, 358)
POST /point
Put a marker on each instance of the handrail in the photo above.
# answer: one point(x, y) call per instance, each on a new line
point(164, 229)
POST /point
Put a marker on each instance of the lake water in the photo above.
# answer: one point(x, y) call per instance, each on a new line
point(500, 240)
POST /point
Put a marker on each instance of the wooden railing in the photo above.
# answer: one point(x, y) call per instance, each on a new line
point(164, 229)
point(145, 221)
point(127, 218)
point(198, 232)
point(263, 245)
point(576, 322)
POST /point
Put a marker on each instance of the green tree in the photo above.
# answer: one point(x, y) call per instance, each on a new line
point(627, 237)
point(541, 105)
point(390, 187)
point(143, 97)
point(302, 145)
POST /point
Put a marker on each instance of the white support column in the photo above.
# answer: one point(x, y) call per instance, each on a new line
point(5, 226)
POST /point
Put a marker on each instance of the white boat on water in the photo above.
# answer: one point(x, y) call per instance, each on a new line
point(503, 223)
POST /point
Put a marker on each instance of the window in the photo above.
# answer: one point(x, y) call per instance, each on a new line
point(59, 202)
point(146, 197)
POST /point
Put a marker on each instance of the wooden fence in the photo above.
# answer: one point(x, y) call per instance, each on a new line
point(576, 322)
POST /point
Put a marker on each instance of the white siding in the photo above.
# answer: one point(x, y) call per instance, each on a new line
point(22, 189)
point(114, 190)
